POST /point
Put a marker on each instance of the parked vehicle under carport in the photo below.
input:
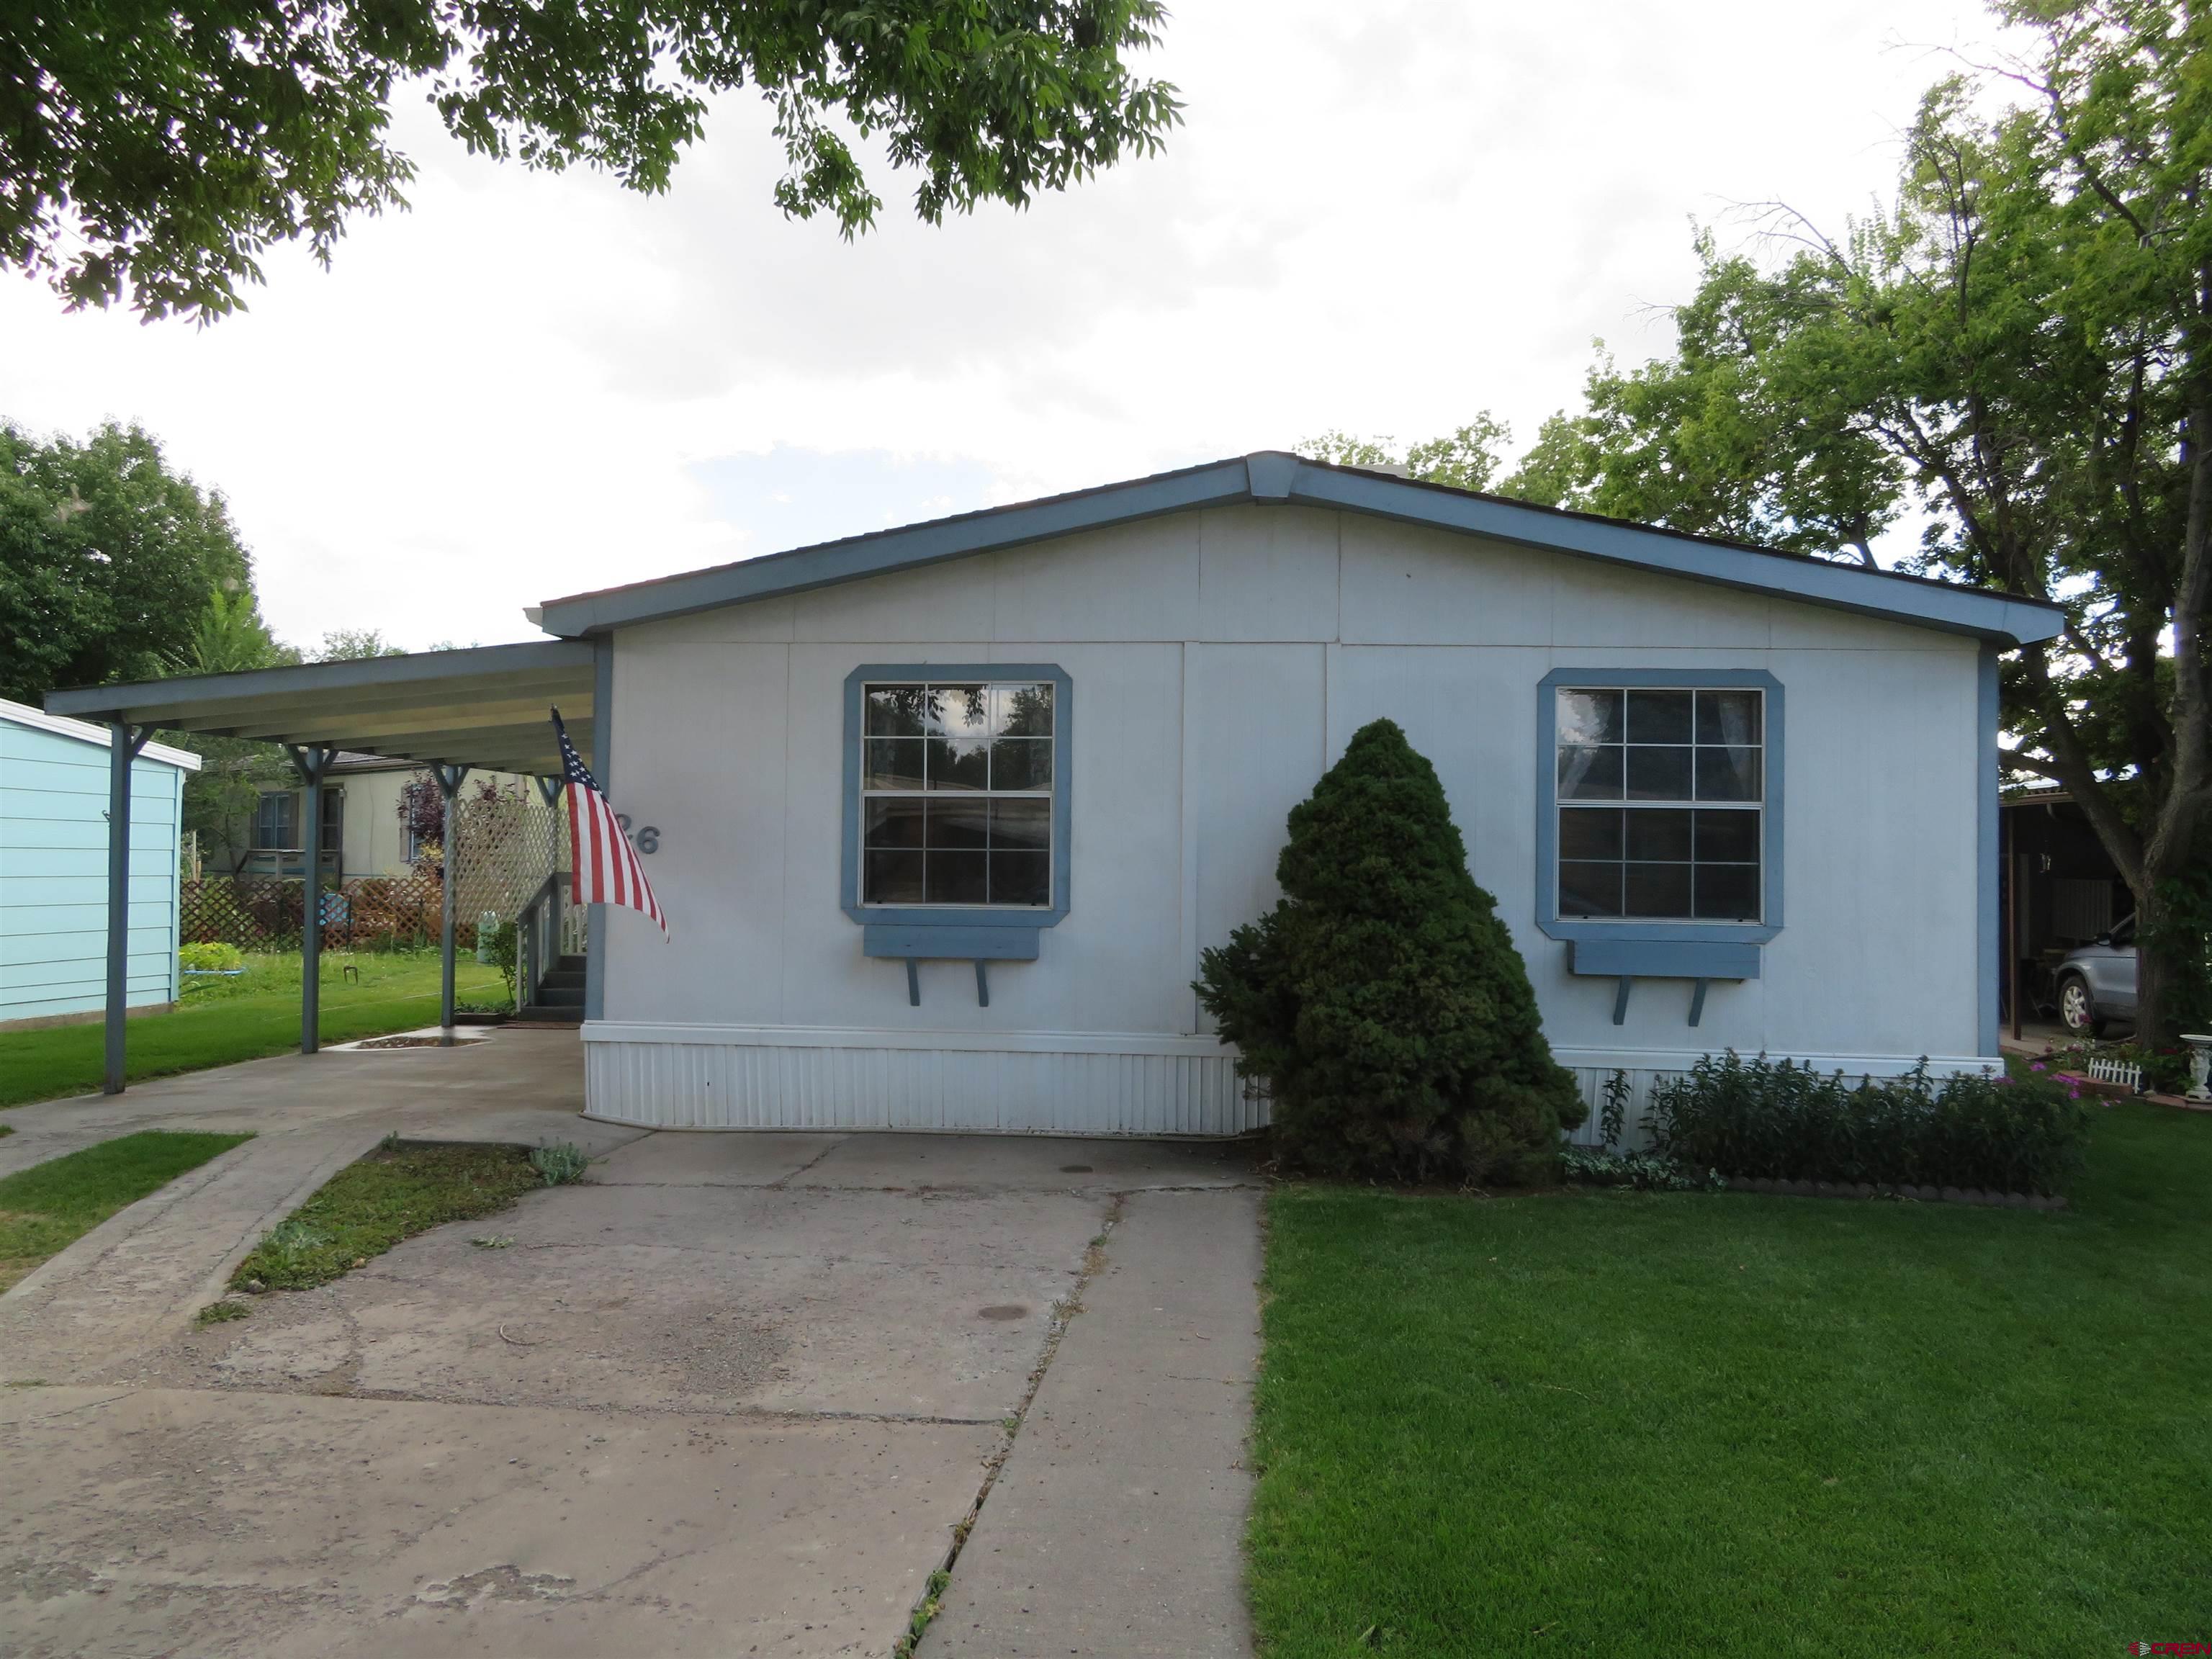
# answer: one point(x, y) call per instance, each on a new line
point(2096, 982)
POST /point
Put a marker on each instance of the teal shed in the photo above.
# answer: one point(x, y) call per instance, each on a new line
point(53, 868)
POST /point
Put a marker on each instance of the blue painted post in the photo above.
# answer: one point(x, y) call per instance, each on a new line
point(123, 746)
point(449, 785)
point(603, 736)
point(311, 763)
point(1988, 810)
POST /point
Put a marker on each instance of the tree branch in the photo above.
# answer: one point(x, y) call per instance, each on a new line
point(2078, 772)
point(2014, 760)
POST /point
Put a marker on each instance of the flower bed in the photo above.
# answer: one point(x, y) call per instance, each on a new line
point(1777, 1121)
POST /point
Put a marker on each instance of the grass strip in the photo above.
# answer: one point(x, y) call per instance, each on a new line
point(49, 1207)
point(1730, 1425)
point(392, 1195)
point(246, 1019)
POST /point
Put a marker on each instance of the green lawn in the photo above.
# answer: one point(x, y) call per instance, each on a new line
point(1730, 1425)
point(46, 1207)
point(392, 1195)
point(223, 1020)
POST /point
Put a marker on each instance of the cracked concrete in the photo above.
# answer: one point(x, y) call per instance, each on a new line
point(737, 1394)
point(271, 1524)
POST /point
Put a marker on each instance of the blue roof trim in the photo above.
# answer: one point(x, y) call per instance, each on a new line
point(1274, 478)
point(904, 549)
point(1758, 570)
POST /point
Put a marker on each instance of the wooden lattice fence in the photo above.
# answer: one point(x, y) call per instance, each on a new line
point(264, 912)
point(509, 841)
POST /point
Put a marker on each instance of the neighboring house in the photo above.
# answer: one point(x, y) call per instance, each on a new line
point(944, 816)
point(362, 834)
point(53, 869)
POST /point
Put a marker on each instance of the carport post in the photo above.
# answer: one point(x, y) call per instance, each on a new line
point(124, 742)
point(449, 785)
point(603, 766)
point(311, 763)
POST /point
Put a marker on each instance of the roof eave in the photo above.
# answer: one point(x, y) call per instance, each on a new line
point(912, 547)
point(1995, 617)
point(118, 702)
point(1275, 478)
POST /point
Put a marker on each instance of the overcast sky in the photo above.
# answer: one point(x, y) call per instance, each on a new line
point(1384, 217)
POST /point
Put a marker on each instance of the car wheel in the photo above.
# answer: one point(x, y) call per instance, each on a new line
point(2077, 1010)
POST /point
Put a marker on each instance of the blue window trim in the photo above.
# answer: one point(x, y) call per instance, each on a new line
point(1687, 949)
point(921, 931)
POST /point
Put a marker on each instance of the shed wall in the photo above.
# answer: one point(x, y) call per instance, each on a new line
point(1220, 661)
point(53, 876)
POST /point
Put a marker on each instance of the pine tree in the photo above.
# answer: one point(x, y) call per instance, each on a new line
point(1382, 999)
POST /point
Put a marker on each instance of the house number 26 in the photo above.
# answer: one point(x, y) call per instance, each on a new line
point(648, 839)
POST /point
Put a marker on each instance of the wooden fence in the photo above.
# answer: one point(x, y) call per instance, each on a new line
point(368, 913)
point(510, 840)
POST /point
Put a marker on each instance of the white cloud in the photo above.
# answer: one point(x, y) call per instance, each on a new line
point(1383, 218)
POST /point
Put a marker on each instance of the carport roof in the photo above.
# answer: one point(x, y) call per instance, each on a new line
point(485, 707)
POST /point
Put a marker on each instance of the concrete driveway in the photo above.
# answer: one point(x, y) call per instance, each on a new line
point(740, 1393)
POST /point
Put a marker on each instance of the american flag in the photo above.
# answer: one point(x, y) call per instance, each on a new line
point(606, 866)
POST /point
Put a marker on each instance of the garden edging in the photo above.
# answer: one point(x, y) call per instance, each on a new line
point(1918, 1195)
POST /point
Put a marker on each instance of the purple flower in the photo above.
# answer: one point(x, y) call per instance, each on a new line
point(2035, 1065)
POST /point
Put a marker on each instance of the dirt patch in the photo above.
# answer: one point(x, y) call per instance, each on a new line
point(439, 1319)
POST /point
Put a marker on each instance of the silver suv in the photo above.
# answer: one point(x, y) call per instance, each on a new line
point(2096, 983)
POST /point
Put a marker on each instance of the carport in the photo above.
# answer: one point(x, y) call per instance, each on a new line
point(487, 708)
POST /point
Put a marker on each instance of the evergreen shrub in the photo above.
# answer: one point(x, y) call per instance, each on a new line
point(1381, 999)
point(1785, 1121)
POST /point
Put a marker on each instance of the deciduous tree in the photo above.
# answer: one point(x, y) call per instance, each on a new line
point(2020, 348)
point(109, 560)
point(151, 149)
point(1468, 458)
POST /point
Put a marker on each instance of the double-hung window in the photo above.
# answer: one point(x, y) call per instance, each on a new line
point(1661, 801)
point(276, 822)
point(956, 793)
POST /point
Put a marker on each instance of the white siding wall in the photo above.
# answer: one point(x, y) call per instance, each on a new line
point(1220, 661)
point(53, 876)
point(370, 837)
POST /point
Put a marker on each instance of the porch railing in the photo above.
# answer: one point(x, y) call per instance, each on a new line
point(538, 937)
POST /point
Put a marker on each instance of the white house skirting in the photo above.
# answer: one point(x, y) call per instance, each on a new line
point(725, 1077)
point(678, 1076)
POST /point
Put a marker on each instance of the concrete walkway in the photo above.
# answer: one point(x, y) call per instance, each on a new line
point(737, 1394)
point(1116, 1526)
point(139, 1278)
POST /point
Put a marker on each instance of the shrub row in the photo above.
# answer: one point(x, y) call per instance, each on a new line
point(1779, 1121)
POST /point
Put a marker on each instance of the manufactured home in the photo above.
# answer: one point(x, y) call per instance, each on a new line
point(942, 816)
